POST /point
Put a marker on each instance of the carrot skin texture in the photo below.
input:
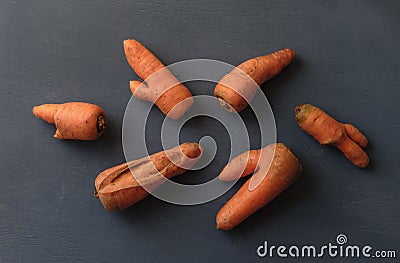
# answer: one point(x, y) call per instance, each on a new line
point(161, 87)
point(327, 131)
point(234, 90)
point(73, 120)
point(284, 170)
point(122, 186)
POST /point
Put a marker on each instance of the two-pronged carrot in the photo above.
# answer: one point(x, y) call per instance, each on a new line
point(124, 185)
point(73, 120)
point(160, 87)
point(275, 169)
point(327, 131)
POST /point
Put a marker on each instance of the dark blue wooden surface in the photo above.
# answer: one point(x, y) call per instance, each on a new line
point(57, 51)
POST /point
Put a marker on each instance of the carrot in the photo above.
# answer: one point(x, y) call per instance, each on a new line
point(326, 130)
point(160, 87)
point(241, 166)
point(283, 171)
point(73, 120)
point(356, 135)
point(124, 185)
point(235, 90)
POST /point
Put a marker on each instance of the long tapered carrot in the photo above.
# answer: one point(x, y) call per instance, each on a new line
point(124, 185)
point(73, 120)
point(283, 171)
point(161, 87)
point(236, 89)
point(326, 130)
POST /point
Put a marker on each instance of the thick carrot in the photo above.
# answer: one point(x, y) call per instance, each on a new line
point(124, 185)
point(236, 89)
point(161, 87)
point(73, 120)
point(326, 130)
point(283, 171)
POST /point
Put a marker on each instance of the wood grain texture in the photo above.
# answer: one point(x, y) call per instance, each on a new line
point(58, 51)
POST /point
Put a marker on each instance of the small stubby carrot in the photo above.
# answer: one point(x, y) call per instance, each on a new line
point(73, 120)
point(282, 170)
point(161, 87)
point(124, 185)
point(237, 88)
point(327, 131)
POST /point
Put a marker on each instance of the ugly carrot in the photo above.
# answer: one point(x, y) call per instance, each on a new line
point(73, 120)
point(124, 185)
point(236, 89)
point(282, 172)
point(326, 130)
point(160, 87)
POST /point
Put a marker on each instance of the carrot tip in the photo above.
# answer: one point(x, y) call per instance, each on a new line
point(58, 135)
point(126, 41)
point(134, 84)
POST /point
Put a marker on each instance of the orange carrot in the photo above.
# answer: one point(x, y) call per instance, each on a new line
point(124, 185)
point(241, 166)
point(326, 130)
point(161, 87)
point(73, 120)
point(356, 135)
point(283, 171)
point(236, 89)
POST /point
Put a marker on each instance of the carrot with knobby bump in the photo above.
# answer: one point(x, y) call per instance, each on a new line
point(237, 88)
point(271, 181)
point(326, 130)
point(161, 87)
point(124, 185)
point(73, 120)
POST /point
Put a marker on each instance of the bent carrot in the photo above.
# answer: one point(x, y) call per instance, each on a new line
point(326, 130)
point(284, 170)
point(124, 185)
point(161, 87)
point(73, 120)
point(236, 89)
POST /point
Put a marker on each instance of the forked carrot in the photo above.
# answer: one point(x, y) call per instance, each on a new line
point(282, 172)
point(160, 87)
point(326, 130)
point(124, 185)
point(73, 120)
